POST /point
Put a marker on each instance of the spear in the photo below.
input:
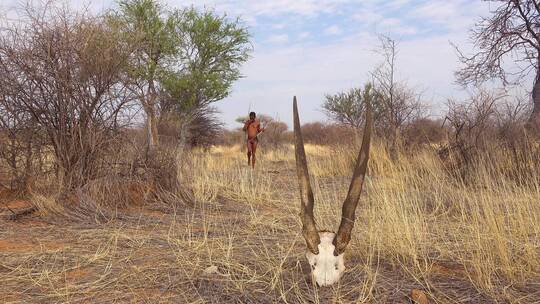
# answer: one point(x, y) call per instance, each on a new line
point(247, 118)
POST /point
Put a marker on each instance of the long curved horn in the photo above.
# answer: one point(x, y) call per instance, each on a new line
point(343, 236)
point(309, 230)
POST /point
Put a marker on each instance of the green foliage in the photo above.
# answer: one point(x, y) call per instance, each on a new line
point(193, 56)
point(242, 119)
point(150, 33)
point(349, 107)
point(212, 52)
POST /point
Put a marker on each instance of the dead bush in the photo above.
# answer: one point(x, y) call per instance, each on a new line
point(198, 128)
point(274, 135)
point(134, 178)
point(314, 133)
point(424, 131)
point(22, 155)
point(62, 71)
point(471, 123)
point(485, 128)
point(231, 137)
point(329, 134)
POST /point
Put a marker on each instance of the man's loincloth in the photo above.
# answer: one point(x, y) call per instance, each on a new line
point(251, 143)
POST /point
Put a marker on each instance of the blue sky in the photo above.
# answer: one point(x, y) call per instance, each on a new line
point(309, 48)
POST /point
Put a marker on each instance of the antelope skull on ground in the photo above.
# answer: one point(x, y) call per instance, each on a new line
point(325, 249)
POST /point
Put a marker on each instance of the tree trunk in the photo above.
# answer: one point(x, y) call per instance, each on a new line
point(395, 145)
point(28, 165)
point(151, 122)
point(534, 120)
point(151, 119)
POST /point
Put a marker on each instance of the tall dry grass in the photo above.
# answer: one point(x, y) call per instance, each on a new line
point(415, 214)
point(462, 238)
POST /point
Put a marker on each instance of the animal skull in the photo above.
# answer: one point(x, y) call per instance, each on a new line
point(326, 268)
point(326, 249)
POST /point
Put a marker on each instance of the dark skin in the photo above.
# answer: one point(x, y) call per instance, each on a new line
point(252, 127)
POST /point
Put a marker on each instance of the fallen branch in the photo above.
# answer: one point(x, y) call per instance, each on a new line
point(4, 203)
point(7, 207)
point(17, 215)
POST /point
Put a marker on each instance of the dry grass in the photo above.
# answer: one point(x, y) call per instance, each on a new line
point(474, 240)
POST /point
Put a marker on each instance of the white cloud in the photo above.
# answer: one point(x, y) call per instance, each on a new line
point(394, 26)
point(458, 15)
point(304, 35)
point(367, 16)
point(441, 11)
point(272, 8)
point(405, 30)
point(396, 4)
point(332, 30)
point(278, 39)
point(390, 22)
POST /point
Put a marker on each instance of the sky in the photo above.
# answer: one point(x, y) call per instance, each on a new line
point(310, 48)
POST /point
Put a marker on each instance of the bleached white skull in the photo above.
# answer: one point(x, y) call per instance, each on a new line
point(326, 268)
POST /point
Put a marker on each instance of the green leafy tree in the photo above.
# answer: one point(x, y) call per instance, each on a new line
point(154, 42)
point(181, 60)
point(348, 107)
point(212, 52)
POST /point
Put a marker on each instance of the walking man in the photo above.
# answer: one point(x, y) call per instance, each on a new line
point(252, 127)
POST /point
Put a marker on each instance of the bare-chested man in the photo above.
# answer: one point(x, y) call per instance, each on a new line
point(252, 127)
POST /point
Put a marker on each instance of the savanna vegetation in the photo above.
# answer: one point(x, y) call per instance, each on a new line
point(118, 182)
